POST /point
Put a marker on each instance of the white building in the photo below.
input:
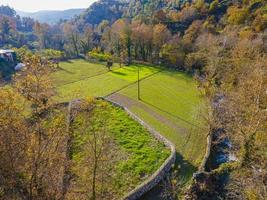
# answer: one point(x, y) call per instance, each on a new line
point(10, 57)
point(7, 55)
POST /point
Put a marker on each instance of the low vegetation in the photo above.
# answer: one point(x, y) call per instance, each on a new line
point(126, 153)
point(170, 102)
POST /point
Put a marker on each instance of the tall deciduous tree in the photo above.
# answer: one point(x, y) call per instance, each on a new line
point(72, 35)
point(161, 35)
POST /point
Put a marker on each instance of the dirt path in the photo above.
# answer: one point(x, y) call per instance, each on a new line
point(129, 103)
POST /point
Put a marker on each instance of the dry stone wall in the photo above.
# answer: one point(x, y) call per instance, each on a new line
point(165, 168)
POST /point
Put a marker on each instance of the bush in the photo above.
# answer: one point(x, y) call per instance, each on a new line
point(52, 54)
point(102, 57)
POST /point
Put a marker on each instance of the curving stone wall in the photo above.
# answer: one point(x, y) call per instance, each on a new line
point(202, 167)
point(155, 178)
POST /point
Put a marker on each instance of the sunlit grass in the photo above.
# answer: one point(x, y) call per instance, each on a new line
point(172, 95)
point(143, 154)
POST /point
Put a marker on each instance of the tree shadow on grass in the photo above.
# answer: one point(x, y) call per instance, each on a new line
point(68, 61)
point(119, 73)
point(67, 71)
point(171, 114)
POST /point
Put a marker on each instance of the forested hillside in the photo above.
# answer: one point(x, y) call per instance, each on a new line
point(222, 43)
point(14, 30)
point(51, 17)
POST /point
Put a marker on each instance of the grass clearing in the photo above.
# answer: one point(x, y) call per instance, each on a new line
point(82, 70)
point(138, 154)
point(171, 103)
point(129, 73)
point(95, 86)
point(175, 97)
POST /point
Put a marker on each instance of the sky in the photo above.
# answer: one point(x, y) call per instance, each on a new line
point(36, 5)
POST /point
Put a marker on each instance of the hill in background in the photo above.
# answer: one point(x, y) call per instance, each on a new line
point(51, 17)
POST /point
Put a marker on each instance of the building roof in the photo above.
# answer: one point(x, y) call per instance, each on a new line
point(2, 51)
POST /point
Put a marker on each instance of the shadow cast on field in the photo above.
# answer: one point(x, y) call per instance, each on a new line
point(185, 172)
point(167, 112)
point(68, 61)
point(119, 73)
point(185, 168)
point(67, 71)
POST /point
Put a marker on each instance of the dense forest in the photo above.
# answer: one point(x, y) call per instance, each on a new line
point(223, 44)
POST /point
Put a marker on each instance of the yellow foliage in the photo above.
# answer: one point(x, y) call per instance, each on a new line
point(246, 34)
point(251, 194)
point(237, 15)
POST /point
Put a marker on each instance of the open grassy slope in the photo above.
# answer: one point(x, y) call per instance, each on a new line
point(170, 101)
point(136, 153)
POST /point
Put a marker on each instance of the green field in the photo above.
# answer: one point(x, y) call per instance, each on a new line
point(170, 101)
point(135, 153)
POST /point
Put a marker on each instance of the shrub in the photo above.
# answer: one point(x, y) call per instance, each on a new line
point(102, 57)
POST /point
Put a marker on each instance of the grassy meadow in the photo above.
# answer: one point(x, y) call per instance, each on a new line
point(132, 156)
point(170, 101)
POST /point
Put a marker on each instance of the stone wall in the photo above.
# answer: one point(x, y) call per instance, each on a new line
point(155, 178)
point(202, 167)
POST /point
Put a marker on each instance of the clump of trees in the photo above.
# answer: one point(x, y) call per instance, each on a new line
point(37, 140)
point(32, 136)
point(14, 30)
point(232, 64)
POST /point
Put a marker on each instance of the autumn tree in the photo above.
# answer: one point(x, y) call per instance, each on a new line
point(237, 15)
point(87, 40)
point(116, 42)
point(142, 37)
point(5, 29)
point(102, 26)
point(45, 128)
point(72, 35)
point(94, 169)
point(121, 39)
point(160, 17)
point(245, 117)
point(161, 35)
point(172, 53)
point(235, 69)
point(42, 32)
point(14, 140)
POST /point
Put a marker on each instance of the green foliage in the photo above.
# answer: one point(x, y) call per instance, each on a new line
point(52, 54)
point(22, 53)
point(214, 6)
point(98, 55)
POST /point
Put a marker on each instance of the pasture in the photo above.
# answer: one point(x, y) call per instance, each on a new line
point(170, 101)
